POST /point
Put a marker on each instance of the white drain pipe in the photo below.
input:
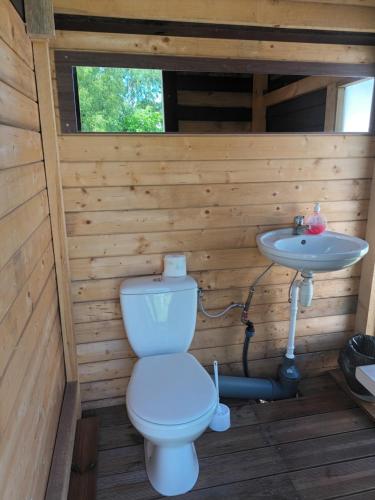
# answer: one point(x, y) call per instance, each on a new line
point(302, 290)
point(293, 318)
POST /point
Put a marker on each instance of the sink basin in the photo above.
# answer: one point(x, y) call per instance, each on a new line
point(316, 253)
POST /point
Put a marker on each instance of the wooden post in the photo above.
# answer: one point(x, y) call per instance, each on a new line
point(51, 159)
point(258, 106)
point(365, 318)
point(331, 106)
point(39, 18)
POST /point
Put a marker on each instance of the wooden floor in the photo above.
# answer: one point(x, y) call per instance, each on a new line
point(318, 446)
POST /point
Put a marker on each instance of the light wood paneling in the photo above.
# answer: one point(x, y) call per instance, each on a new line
point(15, 72)
point(17, 110)
point(207, 197)
point(365, 320)
point(13, 33)
point(286, 14)
point(131, 199)
point(51, 159)
point(214, 48)
point(154, 173)
point(32, 374)
point(19, 146)
point(91, 147)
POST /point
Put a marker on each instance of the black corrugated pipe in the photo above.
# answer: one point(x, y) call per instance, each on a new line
point(249, 333)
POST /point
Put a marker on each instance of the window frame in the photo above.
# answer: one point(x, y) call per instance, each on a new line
point(67, 91)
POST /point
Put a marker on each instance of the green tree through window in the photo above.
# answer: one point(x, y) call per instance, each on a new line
point(120, 99)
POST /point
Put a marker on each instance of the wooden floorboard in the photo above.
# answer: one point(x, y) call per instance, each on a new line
point(319, 446)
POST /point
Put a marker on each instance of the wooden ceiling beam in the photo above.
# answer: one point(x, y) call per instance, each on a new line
point(304, 86)
point(285, 14)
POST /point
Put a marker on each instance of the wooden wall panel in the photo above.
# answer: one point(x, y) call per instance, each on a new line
point(129, 200)
point(286, 14)
point(32, 375)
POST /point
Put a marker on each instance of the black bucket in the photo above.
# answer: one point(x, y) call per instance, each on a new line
point(359, 351)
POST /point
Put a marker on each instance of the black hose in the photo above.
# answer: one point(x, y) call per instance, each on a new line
point(249, 332)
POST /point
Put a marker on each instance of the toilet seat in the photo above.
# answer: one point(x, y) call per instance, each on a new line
point(170, 389)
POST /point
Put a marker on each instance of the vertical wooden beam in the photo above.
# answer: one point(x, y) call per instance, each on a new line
point(365, 318)
point(170, 101)
point(59, 476)
point(39, 18)
point(331, 107)
point(51, 159)
point(260, 83)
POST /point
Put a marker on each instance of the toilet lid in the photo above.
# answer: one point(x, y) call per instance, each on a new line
point(170, 389)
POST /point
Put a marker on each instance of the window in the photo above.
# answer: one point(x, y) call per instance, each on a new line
point(354, 106)
point(132, 93)
point(120, 99)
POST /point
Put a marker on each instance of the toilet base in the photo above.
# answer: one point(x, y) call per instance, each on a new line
point(171, 470)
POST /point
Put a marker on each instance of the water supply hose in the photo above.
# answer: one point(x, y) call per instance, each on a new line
point(214, 315)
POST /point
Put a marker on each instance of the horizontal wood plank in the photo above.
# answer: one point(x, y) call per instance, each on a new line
point(19, 184)
point(38, 328)
point(153, 173)
point(19, 147)
point(224, 279)
point(14, 34)
point(17, 110)
point(113, 222)
point(18, 315)
point(244, 12)
point(16, 73)
point(110, 147)
point(18, 225)
point(17, 270)
point(150, 197)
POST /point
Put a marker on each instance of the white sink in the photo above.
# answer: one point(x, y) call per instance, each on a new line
point(316, 253)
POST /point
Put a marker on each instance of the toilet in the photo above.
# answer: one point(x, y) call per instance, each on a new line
point(170, 399)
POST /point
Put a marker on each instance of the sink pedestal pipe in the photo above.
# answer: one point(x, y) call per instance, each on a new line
point(286, 385)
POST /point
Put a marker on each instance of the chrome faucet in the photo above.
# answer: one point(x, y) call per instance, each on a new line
point(299, 226)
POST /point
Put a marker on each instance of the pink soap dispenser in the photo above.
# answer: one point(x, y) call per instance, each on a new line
point(317, 222)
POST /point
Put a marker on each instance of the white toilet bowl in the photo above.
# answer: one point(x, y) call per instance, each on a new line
point(171, 400)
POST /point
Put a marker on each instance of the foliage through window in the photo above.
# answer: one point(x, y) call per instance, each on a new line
point(120, 99)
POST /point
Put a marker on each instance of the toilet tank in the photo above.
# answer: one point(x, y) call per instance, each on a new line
point(159, 313)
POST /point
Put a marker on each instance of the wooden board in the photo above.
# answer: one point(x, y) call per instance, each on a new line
point(51, 159)
point(91, 147)
point(251, 50)
point(32, 374)
point(365, 320)
point(290, 14)
point(15, 72)
point(84, 464)
point(209, 199)
point(58, 482)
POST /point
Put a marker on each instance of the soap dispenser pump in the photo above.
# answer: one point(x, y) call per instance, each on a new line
point(316, 222)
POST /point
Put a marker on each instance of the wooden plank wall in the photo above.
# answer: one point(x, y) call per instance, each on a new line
point(32, 377)
point(349, 15)
point(131, 199)
point(213, 103)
